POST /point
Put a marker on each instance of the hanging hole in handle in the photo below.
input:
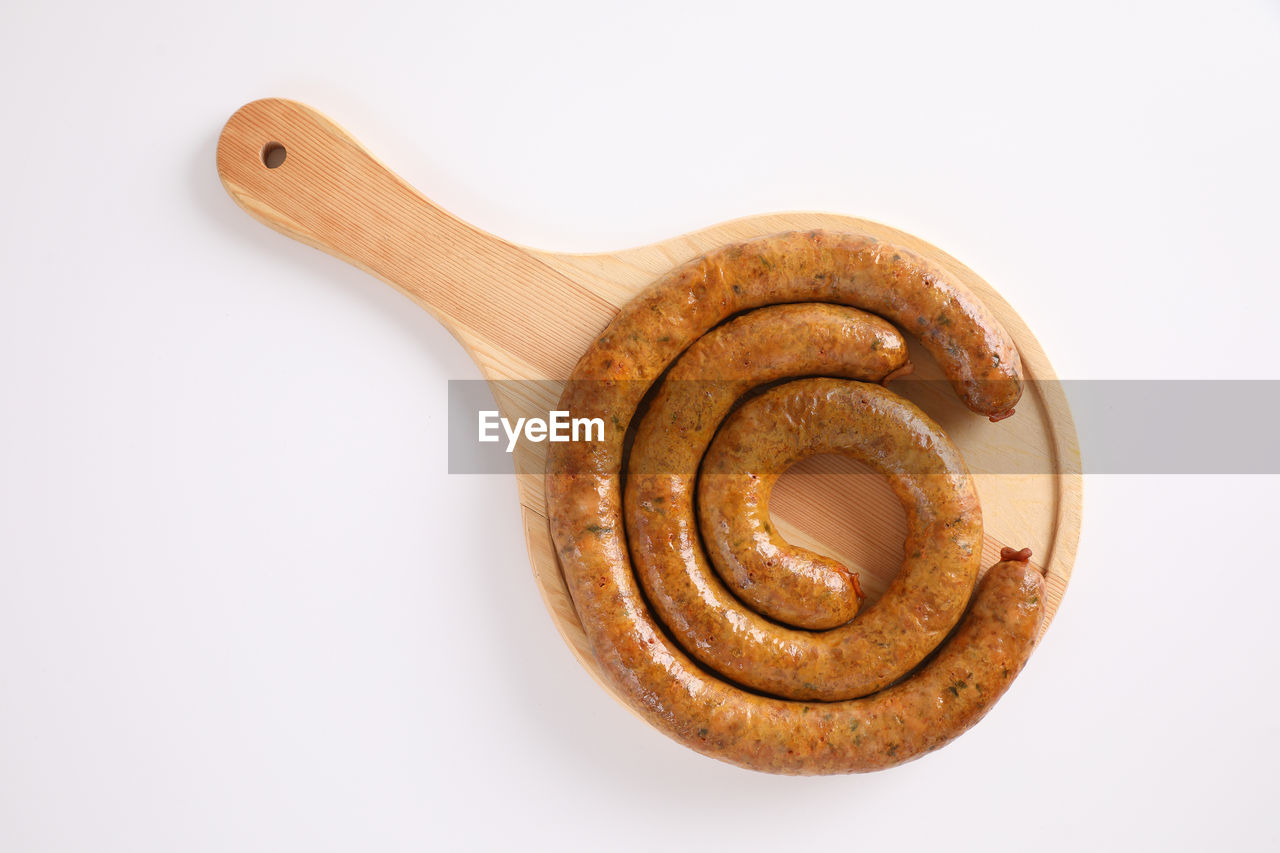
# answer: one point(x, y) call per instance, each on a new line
point(273, 155)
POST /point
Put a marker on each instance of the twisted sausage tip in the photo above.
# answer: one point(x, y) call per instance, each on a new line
point(906, 370)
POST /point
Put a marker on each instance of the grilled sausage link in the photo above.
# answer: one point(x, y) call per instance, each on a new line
point(584, 494)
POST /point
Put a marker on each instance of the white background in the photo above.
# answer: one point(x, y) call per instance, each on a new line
point(244, 607)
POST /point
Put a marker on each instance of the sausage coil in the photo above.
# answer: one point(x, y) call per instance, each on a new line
point(795, 685)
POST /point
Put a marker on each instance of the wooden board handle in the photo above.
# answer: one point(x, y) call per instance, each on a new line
point(293, 169)
point(296, 171)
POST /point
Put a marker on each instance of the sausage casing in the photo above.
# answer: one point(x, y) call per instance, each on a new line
point(586, 513)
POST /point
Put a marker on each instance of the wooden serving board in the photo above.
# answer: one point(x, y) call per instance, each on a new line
point(523, 314)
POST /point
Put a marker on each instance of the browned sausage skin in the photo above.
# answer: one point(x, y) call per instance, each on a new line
point(942, 552)
point(765, 345)
point(767, 434)
point(584, 494)
point(936, 704)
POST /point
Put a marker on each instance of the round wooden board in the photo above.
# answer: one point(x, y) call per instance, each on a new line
point(828, 504)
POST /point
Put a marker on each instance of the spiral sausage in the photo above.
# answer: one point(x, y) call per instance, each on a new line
point(769, 344)
point(924, 602)
point(584, 492)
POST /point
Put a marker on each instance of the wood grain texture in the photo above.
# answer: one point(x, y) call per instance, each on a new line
point(529, 315)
